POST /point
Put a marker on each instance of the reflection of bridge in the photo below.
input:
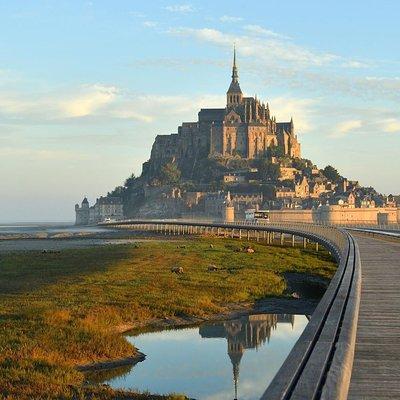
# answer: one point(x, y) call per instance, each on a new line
point(247, 332)
point(320, 365)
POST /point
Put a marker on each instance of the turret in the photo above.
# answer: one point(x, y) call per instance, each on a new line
point(85, 203)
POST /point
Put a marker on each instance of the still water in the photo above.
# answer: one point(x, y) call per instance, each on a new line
point(48, 228)
point(214, 360)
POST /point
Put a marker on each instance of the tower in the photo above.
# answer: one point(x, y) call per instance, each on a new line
point(228, 212)
point(234, 94)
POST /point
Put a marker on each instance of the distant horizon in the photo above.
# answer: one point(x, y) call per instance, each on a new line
point(82, 100)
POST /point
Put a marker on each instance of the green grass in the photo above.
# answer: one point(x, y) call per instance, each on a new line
point(58, 310)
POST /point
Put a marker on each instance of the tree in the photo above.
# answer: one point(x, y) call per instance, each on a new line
point(276, 151)
point(130, 181)
point(267, 171)
point(210, 169)
point(332, 174)
point(237, 163)
point(119, 191)
point(170, 174)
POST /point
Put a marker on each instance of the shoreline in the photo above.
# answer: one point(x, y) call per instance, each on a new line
point(294, 300)
point(275, 305)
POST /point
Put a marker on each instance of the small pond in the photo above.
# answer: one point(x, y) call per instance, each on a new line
point(229, 359)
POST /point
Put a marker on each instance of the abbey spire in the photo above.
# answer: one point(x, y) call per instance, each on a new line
point(234, 94)
point(235, 76)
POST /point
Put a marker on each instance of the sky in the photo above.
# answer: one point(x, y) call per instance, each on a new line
point(85, 86)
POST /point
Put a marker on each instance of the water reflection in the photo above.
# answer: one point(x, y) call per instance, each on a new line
point(248, 332)
point(233, 359)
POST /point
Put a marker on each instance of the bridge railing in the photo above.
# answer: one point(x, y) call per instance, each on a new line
point(319, 365)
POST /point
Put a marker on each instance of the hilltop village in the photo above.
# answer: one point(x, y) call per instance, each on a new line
point(234, 159)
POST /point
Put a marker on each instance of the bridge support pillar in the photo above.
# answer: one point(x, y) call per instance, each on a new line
point(304, 243)
point(218, 231)
point(282, 238)
point(248, 234)
point(293, 240)
point(240, 233)
point(316, 246)
point(232, 233)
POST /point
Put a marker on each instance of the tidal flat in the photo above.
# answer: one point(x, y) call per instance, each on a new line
point(64, 309)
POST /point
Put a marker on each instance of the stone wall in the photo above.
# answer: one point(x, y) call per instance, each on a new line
point(338, 215)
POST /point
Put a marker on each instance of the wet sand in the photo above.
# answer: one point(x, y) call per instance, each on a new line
point(57, 244)
point(57, 239)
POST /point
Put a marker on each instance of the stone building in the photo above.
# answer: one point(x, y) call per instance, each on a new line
point(317, 188)
point(82, 213)
point(244, 201)
point(105, 208)
point(219, 205)
point(302, 188)
point(245, 127)
point(287, 173)
point(392, 201)
point(108, 208)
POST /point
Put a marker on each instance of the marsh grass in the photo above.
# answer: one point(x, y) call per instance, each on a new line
point(58, 310)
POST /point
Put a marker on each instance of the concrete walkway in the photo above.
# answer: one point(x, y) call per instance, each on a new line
point(376, 368)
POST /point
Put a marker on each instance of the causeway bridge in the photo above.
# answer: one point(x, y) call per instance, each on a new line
point(350, 349)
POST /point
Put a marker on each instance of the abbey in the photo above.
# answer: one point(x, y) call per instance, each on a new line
point(243, 128)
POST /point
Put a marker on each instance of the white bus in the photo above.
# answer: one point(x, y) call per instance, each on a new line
point(257, 215)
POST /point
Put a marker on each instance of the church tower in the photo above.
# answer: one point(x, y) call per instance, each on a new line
point(234, 94)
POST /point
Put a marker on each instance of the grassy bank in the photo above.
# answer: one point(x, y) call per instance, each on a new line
point(62, 309)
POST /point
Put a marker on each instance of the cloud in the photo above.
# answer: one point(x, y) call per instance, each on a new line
point(277, 60)
point(355, 64)
point(257, 29)
point(301, 109)
point(229, 18)
point(343, 128)
point(137, 14)
point(157, 107)
point(92, 99)
point(94, 103)
point(272, 51)
point(177, 63)
point(79, 102)
point(180, 8)
point(391, 125)
point(149, 24)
